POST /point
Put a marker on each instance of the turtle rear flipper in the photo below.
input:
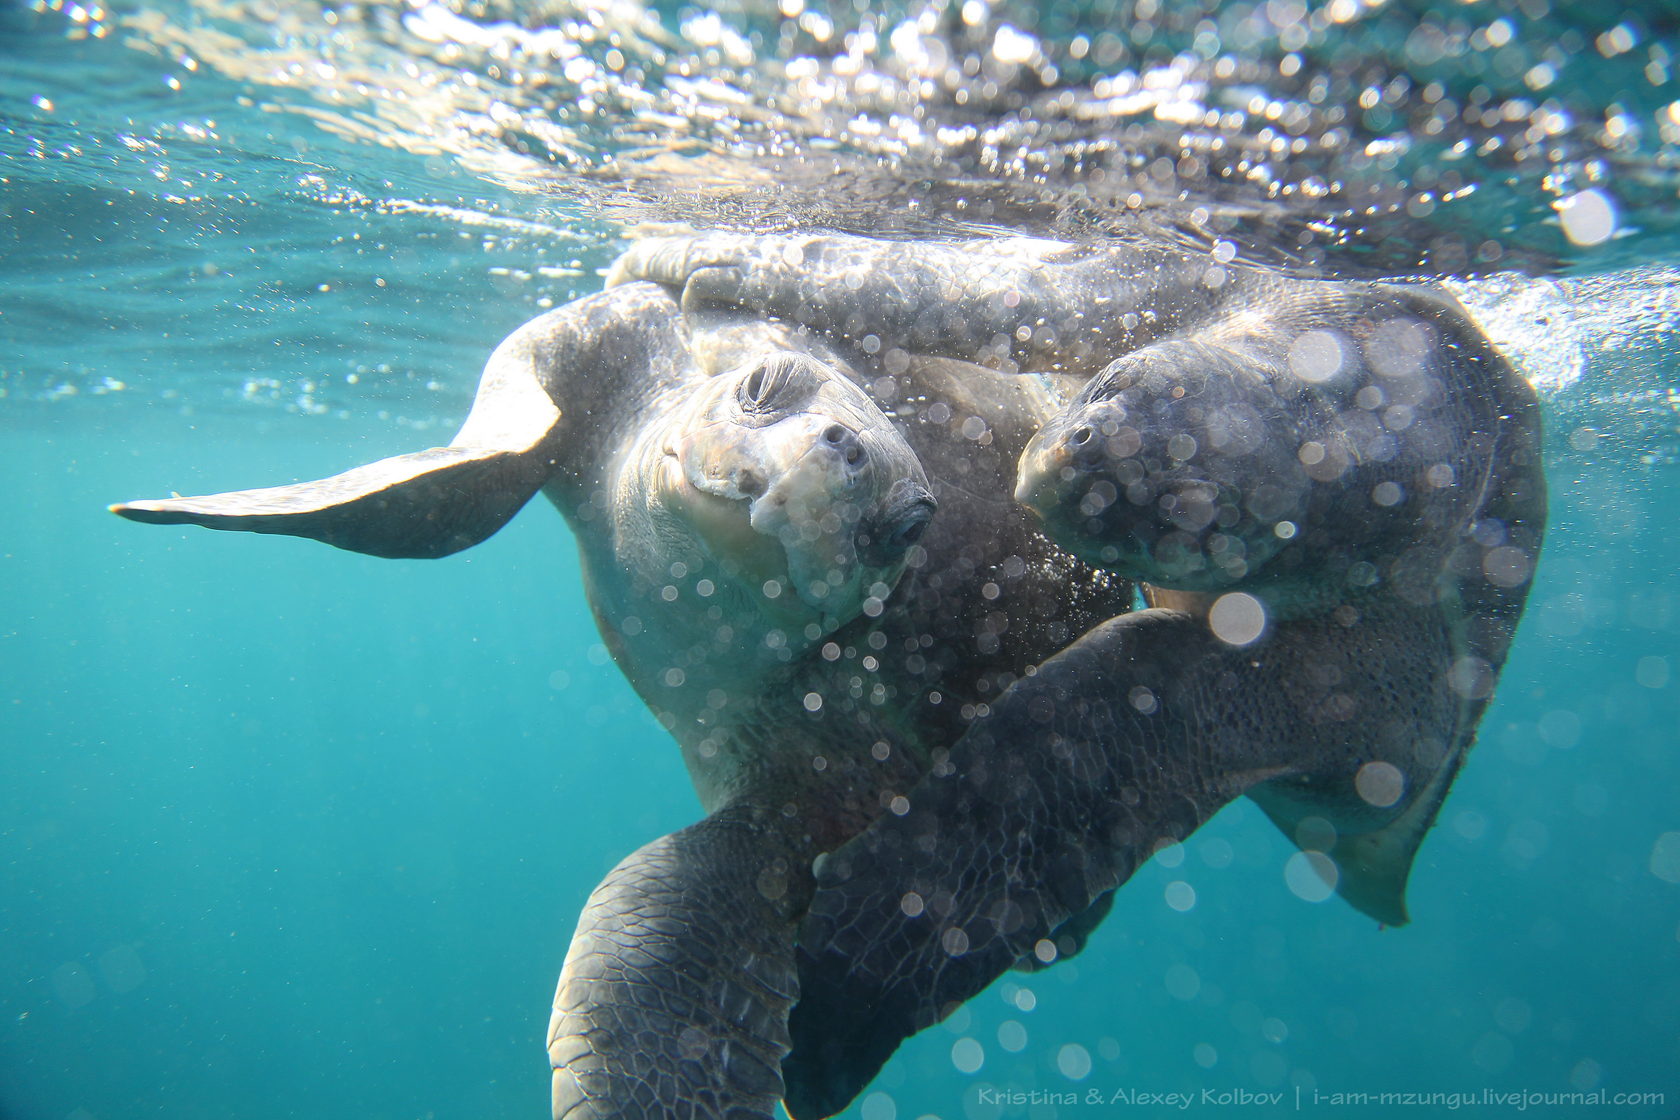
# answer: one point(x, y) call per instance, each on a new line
point(422, 505)
point(1130, 737)
point(675, 993)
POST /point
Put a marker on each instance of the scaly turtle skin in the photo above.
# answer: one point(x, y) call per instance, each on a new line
point(1333, 495)
point(761, 557)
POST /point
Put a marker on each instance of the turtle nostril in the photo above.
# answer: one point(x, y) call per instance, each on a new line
point(846, 442)
point(1081, 436)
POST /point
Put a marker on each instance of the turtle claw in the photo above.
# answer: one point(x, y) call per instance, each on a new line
point(674, 261)
point(651, 258)
point(713, 286)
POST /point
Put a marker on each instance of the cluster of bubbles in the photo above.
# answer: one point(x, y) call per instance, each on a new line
point(1355, 136)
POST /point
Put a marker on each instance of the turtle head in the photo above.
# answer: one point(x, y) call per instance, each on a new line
point(791, 486)
point(1177, 466)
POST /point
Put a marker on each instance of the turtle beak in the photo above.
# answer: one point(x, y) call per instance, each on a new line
point(1042, 476)
point(796, 489)
point(712, 482)
point(809, 508)
point(713, 463)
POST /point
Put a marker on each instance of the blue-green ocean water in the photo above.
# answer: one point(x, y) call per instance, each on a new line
point(292, 832)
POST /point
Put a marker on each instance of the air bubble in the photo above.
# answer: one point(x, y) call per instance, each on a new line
point(1310, 876)
point(1315, 834)
point(1074, 1062)
point(1586, 1075)
point(1217, 853)
point(1471, 678)
point(1316, 357)
point(1237, 618)
point(1665, 857)
point(1507, 566)
point(1182, 981)
point(1588, 217)
point(879, 1106)
point(1560, 728)
point(1379, 783)
point(968, 1055)
point(1651, 672)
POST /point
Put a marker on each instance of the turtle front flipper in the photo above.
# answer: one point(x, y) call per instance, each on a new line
point(675, 993)
point(1129, 738)
point(1012, 303)
point(600, 358)
point(423, 505)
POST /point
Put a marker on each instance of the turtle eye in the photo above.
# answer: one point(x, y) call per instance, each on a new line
point(779, 382)
point(884, 540)
point(755, 391)
point(910, 528)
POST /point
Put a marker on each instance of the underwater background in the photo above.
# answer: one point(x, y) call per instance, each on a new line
point(293, 832)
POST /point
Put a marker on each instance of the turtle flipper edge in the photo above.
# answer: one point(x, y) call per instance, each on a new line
point(1069, 938)
point(675, 993)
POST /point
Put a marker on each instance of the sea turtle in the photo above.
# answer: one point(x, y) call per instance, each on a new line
point(761, 557)
point(1333, 495)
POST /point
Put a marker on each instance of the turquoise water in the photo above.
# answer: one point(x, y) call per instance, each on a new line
point(286, 831)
